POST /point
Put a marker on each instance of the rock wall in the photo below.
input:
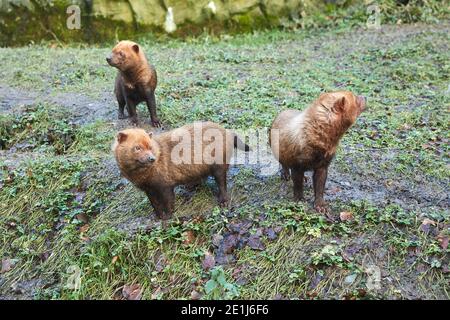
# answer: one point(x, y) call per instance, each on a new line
point(22, 21)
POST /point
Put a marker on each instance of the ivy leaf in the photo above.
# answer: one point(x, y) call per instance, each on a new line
point(221, 280)
point(210, 286)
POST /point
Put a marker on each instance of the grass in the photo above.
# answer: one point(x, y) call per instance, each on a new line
point(63, 203)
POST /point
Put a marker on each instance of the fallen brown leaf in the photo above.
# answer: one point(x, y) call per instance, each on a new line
point(240, 227)
point(157, 293)
point(44, 256)
point(445, 268)
point(443, 241)
point(346, 216)
point(270, 233)
point(208, 262)
point(82, 217)
point(132, 292)
point(189, 237)
point(114, 259)
point(217, 238)
point(160, 263)
point(254, 242)
point(7, 265)
point(84, 228)
point(426, 223)
point(405, 127)
point(224, 258)
point(195, 295)
point(229, 243)
point(236, 272)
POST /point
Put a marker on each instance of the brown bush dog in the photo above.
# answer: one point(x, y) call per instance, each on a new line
point(157, 163)
point(135, 82)
point(308, 139)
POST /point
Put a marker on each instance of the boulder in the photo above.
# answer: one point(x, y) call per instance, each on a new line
point(148, 12)
point(22, 21)
point(117, 10)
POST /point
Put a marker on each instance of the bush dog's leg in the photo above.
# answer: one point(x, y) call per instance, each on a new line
point(168, 200)
point(121, 101)
point(298, 177)
point(319, 179)
point(285, 175)
point(193, 185)
point(131, 107)
point(151, 105)
point(154, 198)
point(220, 175)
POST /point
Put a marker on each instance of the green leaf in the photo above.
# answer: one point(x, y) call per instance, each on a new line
point(210, 286)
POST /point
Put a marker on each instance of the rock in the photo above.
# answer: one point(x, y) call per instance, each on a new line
point(148, 12)
point(350, 278)
point(188, 10)
point(274, 7)
point(114, 10)
point(18, 17)
point(241, 6)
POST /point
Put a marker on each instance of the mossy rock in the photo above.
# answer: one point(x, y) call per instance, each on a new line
point(25, 21)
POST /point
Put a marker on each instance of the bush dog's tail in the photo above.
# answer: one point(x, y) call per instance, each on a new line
point(240, 145)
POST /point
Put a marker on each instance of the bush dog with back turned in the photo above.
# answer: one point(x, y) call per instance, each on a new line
point(135, 82)
point(307, 140)
point(157, 163)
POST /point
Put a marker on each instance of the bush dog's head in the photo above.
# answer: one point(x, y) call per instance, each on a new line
point(125, 55)
point(344, 106)
point(135, 148)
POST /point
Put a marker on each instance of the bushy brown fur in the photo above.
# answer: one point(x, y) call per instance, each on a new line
point(152, 168)
point(307, 140)
point(136, 80)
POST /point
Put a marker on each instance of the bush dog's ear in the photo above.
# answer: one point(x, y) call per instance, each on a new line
point(136, 48)
point(121, 137)
point(339, 105)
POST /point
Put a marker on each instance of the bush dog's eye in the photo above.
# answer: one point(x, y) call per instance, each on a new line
point(137, 148)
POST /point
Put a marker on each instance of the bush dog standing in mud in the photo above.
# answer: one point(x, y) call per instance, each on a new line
point(158, 163)
point(303, 141)
point(135, 82)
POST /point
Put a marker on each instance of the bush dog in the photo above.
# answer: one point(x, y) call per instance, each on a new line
point(157, 163)
point(135, 82)
point(307, 140)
